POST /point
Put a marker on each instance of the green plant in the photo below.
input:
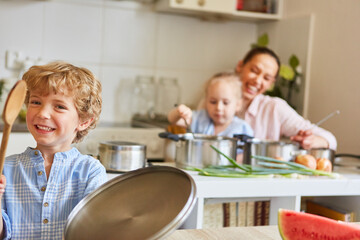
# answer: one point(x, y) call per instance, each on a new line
point(289, 75)
point(262, 41)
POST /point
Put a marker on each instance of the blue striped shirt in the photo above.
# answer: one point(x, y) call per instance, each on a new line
point(36, 208)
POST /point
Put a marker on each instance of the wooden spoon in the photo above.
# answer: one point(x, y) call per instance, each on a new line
point(13, 104)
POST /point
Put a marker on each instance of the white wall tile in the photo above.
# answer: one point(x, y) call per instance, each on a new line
point(73, 32)
point(190, 43)
point(21, 27)
point(129, 37)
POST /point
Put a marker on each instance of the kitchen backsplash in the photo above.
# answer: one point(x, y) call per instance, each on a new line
point(119, 40)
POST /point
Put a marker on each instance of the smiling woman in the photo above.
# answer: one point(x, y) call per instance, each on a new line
point(271, 117)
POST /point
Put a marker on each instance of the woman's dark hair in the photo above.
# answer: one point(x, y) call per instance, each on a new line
point(262, 50)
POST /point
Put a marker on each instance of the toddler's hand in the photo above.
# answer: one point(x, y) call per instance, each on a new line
point(184, 112)
point(2, 185)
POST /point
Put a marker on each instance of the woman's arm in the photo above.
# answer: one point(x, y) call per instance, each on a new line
point(273, 118)
point(308, 135)
point(308, 140)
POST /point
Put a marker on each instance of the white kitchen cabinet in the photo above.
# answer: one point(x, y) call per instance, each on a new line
point(218, 9)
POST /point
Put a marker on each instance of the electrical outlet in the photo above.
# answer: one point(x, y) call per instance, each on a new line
point(14, 60)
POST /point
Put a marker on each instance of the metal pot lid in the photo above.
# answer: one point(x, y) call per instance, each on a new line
point(119, 145)
point(147, 203)
point(203, 137)
point(272, 142)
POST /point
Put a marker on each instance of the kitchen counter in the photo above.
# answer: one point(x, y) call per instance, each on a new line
point(16, 127)
point(21, 126)
point(229, 233)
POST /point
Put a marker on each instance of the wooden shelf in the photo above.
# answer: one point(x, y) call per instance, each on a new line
point(224, 9)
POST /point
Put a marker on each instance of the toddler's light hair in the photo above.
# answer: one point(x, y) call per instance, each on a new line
point(62, 77)
point(228, 77)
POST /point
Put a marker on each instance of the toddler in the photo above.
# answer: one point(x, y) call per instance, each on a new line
point(222, 102)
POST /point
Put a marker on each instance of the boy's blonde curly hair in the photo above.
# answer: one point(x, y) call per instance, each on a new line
point(62, 77)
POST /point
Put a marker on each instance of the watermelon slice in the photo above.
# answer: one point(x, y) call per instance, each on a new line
point(298, 225)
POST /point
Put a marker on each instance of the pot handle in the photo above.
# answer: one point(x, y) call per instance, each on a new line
point(168, 135)
point(347, 155)
point(242, 137)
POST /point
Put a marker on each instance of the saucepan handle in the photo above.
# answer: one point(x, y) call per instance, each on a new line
point(241, 138)
point(168, 135)
point(347, 155)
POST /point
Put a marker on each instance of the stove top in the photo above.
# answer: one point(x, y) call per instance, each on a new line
point(150, 121)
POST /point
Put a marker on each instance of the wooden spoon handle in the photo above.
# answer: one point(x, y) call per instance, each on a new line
point(4, 142)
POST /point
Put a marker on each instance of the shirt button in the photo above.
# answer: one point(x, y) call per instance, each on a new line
point(46, 204)
point(43, 189)
point(36, 153)
point(39, 173)
point(45, 221)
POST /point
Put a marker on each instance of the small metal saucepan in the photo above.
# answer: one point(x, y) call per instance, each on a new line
point(347, 160)
point(322, 153)
point(120, 156)
point(337, 159)
point(284, 150)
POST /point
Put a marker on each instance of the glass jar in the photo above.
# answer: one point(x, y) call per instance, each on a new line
point(168, 95)
point(144, 95)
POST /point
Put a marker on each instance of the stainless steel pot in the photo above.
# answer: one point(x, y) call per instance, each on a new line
point(347, 160)
point(195, 151)
point(122, 156)
point(285, 150)
point(322, 153)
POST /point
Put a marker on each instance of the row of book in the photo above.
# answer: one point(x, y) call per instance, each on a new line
point(236, 214)
point(330, 211)
point(256, 213)
point(264, 6)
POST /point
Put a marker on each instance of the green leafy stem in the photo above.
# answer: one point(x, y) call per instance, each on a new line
point(266, 167)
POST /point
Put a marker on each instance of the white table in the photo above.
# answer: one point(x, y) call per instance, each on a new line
point(228, 233)
point(282, 193)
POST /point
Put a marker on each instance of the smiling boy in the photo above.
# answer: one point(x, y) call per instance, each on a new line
point(43, 184)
